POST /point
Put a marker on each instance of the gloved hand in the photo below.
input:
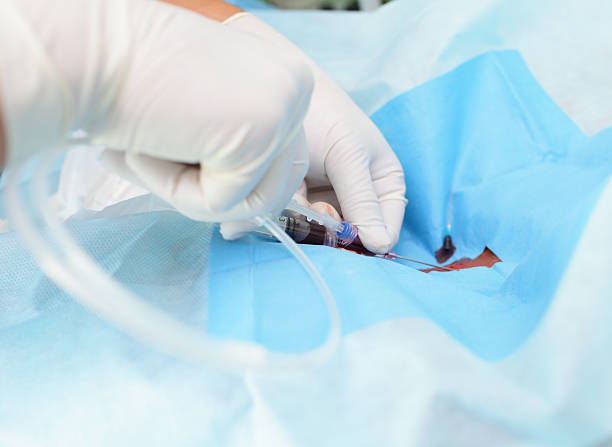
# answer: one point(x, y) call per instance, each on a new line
point(207, 117)
point(347, 151)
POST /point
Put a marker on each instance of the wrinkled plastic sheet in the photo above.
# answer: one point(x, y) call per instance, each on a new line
point(512, 355)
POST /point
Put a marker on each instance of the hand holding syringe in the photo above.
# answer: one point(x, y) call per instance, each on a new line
point(345, 232)
point(305, 225)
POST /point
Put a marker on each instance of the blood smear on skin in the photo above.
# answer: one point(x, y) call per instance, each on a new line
point(486, 259)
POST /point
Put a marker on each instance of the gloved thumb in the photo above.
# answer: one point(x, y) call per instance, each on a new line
point(238, 229)
point(115, 162)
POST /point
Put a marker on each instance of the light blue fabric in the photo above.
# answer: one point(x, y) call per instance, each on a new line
point(160, 255)
point(524, 179)
point(54, 174)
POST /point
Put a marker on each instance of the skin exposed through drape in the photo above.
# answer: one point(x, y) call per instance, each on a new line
point(213, 9)
point(486, 259)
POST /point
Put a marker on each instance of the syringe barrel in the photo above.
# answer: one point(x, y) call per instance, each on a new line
point(320, 235)
point(312, 233)
point(307, 232)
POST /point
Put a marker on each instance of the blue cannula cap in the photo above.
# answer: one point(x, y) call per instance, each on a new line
point(348, 233)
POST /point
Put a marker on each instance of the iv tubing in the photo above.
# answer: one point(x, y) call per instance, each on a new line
point(75, 271)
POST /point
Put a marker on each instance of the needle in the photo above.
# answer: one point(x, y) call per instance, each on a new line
point(395, 255)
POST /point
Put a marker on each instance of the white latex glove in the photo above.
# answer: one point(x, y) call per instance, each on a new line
point(347, 151)
point(206, 117)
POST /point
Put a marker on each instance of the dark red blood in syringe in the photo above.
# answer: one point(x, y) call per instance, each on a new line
point(312, 233)
point(317, 235)
point(358, 247)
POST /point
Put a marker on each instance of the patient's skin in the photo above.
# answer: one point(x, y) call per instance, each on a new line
point(213, 9)
point(326, 208)
point(486, 259)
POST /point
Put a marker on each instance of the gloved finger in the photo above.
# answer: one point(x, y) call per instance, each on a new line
point(393, 214)
point(326, 208)
point(324, 194)
point(237, 229)
point(225, 188)
point(301, 195)
point(348, 170)
point(390, 188)
point(181, 186)
point(115, 162)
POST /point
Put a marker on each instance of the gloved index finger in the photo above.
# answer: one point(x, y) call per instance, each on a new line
point(182, 186)
point(349, 175)
point(390, 188)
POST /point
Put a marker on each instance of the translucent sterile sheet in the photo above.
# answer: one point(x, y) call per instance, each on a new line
point(518, 354)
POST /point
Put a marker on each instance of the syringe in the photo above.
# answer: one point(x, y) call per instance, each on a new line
point(306, 226)
point(345, 232)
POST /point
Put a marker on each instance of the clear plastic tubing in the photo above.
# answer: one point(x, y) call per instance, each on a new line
point(65, 262)
point(303, 231)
